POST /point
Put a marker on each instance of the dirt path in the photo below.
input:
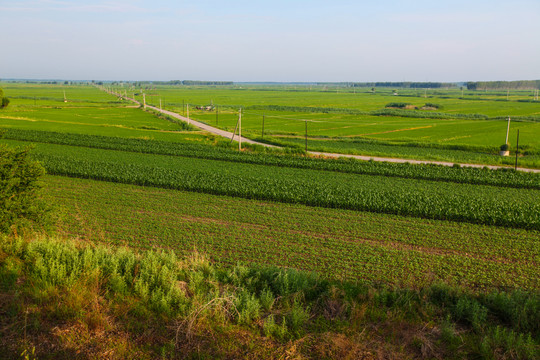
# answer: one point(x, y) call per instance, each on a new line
point(228, 134)
point(402, 161)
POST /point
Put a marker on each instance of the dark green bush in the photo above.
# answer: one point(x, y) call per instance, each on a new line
point(4, 101)
point(21, 203)
point(399, 105)
point(432, 105)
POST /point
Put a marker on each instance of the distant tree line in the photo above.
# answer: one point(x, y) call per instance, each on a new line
point(39, 82)
point(402, 84)
point(504, 85)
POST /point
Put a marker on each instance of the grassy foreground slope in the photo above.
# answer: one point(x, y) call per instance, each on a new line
point(63, 300)
point(343, 244)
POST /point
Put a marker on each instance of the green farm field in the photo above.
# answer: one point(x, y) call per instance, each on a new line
point(341, 121)
point(90, 112)
point(124, 176)
point(466, 129)
point(344, 244)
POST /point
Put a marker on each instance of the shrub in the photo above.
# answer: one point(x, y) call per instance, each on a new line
point(505, 147)
point(4, 101)
point(470, 311)
point(399, 105)
point(434, 106)
point(21, 202)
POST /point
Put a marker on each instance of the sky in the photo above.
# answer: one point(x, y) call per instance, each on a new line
point(278, 40)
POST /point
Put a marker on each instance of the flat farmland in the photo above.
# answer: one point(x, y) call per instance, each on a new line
point(22, 94)
point(337, 121)
point(124, 176)
point(344, 244)
point(93, 112)
point(474, 123)
point(408, 196)
point(363, 99)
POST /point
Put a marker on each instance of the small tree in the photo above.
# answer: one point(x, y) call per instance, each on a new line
point(21, 203)
point(4, 101)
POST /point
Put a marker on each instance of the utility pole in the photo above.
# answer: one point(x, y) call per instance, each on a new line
point(65, 100)
point(187, 113)
point(234, 132)
point(217, 115)
point(306, 134)
point(144, 100)
point(262, 134)
point(240, 129)
point(160, 104)
point(517, 150)
point(507, 130)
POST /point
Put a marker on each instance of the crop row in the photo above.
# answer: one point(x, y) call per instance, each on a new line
point(501, 178)
point(427, 199)
point(336, 243)
point(400, 112)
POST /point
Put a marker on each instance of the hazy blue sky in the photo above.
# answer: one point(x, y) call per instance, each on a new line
point(295, 40)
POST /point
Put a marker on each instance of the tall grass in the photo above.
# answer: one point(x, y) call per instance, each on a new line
point(63, 279)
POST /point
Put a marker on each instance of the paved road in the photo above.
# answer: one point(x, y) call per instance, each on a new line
point(402, 161)
point(211, 129)
point(228, 134)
